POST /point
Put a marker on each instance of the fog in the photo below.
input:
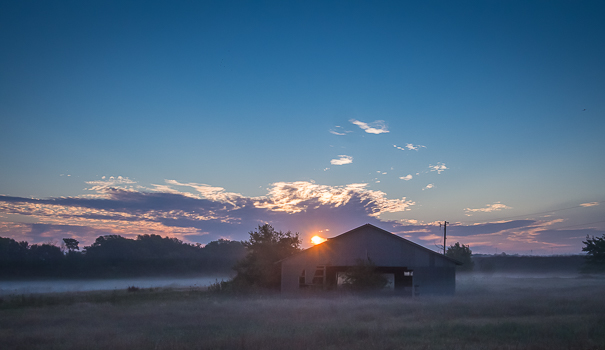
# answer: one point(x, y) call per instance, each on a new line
point(57, 286)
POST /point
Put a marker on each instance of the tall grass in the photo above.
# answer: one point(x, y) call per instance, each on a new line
point(486, 313)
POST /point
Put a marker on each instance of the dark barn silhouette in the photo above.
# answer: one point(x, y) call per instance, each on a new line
point(410, 268)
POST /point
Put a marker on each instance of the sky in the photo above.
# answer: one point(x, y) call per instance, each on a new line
point(201, 120)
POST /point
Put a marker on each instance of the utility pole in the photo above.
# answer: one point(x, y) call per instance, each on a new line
point(444, 234)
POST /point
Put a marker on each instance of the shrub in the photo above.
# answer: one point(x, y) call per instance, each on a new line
point(363, 277)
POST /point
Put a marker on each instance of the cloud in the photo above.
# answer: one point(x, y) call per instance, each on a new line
point(209, 192)
point(558, 236)
point(105, 183)
point(459, 229)
point(196, 212)
point(408, 177)
point(409, 147)
point(429, 186)
point(591, 204)
point(344, 159)
point(293, 197)
point(430, 237)
point(497, 206)
point(207, 211)
point(339, 130)
point(440, 167)
point(376, 127)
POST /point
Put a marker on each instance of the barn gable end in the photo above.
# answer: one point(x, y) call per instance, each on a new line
point(414, 269)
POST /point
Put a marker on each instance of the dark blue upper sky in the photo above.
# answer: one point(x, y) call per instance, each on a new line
point(502, 104)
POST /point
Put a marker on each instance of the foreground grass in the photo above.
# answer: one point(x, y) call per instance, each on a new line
point(486, 313)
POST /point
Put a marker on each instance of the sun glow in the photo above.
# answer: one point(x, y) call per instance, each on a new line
point(317, 240)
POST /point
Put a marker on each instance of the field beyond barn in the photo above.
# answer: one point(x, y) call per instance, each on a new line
point(488, 312)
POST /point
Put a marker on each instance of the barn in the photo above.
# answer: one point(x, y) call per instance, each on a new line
point(410, 268)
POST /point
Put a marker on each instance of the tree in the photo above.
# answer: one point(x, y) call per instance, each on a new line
point(595, 254)
point(363, 277)
point(265, 247)
point(221, 255)
point(71, 244)
point(463, 254)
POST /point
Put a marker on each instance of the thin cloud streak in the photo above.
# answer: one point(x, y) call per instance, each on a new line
point(497, 206)
point(409, 147)
point(375, 127)
point(339, 130)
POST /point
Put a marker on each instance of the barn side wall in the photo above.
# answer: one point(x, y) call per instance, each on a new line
point(289, 277)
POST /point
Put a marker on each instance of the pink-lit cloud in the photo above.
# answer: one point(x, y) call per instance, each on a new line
point(497, 206)
point(196, 212)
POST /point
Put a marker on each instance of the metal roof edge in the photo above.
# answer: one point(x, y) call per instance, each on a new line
point(379, 230)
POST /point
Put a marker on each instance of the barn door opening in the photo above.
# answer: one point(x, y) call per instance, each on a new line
point(404, 282)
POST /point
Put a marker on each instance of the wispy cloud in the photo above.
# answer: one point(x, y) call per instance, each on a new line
point(430, 237)
point(408, 177)
point(339, 130)
point(107, 182)
point(210, 192)
point(409, 147)
point(439, 168)
point(344, 159)
point(429, 186)
point(497, 206)
point(591, 204)
point(375, 127)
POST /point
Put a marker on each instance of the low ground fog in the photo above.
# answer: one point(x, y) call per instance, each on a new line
point(488, 312)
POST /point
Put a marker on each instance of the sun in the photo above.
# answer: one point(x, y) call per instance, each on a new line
point(317, 240)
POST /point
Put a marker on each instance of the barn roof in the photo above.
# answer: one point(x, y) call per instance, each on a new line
point(381, 231)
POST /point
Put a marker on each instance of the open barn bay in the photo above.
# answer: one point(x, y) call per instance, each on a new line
point(488, 312)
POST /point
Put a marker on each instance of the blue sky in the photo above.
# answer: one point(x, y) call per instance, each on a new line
point(201, 120)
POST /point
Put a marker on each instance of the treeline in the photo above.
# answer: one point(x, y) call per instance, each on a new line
point(116, 256)
point(564, 264)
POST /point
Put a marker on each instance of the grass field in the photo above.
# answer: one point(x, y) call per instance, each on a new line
point(487, 313)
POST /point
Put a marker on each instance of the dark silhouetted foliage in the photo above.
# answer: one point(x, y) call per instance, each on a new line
point(13, 251)
point(463, 254)
point(265, 247)
point(595, 254)
point(71, 244)
point(363, 277)
point(116, 256)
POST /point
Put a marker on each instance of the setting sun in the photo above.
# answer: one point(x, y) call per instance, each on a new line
point(317, 240)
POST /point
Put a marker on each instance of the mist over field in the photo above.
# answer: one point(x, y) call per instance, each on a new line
point(487, 312)
point(59, 286)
